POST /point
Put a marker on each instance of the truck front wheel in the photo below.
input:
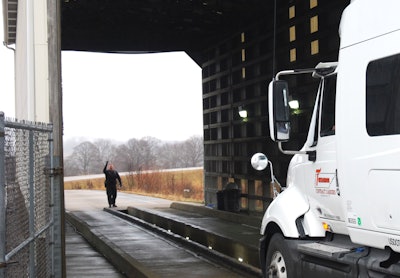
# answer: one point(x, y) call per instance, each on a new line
point(279, 264)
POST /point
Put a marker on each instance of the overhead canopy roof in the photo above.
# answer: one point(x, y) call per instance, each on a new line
point(147, 25)
point(154, 25)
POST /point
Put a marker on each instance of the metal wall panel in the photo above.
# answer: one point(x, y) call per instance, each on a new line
point(236, 73)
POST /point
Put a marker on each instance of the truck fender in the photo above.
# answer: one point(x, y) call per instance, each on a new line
point(284, 212)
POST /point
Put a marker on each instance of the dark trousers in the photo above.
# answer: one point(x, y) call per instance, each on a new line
point(111, 194)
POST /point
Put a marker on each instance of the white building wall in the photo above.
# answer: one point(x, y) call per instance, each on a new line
point(41, 62)
point(31, 62)
point(23, 101)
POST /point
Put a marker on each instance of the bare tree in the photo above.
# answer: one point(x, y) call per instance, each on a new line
point(122, 158)
point(133, 153)
point(106, 149)
point(71, 167)
point(170, 156)
point(144, 154)
point(193, 151)
point(86, 157)
point(184, 154)
point(148, 148)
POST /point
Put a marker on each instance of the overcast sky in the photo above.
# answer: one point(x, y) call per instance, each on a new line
point(121, 96)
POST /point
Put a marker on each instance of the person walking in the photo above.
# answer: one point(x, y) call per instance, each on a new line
point(111, 183)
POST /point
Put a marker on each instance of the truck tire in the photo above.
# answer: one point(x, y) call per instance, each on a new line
point(279, 263)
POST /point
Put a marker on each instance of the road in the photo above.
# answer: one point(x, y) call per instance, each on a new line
point(86, 200)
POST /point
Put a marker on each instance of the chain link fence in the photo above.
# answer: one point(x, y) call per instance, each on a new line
point(26, 199)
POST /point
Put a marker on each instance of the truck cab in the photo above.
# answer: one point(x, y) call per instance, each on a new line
point(339, 213)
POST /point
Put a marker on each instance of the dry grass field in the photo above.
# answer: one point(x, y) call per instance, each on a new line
point(175, 185)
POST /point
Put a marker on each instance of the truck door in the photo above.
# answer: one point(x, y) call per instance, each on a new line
point(320, 177)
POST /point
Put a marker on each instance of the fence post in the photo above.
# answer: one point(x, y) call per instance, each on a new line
point(2, 197)
point(51, 151)
point(55, 103)
point(32, 272)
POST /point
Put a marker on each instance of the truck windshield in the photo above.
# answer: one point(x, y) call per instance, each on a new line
point(383, 96)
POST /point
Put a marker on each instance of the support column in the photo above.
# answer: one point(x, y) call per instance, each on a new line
point(55, 113)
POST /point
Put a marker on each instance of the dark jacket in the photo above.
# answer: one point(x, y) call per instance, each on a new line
point(111, 177)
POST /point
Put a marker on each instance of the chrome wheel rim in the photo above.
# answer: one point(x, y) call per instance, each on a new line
point(277, 267)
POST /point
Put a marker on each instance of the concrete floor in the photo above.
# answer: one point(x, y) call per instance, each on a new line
point(137, 252)
point(83, 261)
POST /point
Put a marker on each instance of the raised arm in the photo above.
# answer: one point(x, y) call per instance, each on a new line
point(105, 168)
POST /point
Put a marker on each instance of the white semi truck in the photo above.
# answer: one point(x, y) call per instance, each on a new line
point(339, 213)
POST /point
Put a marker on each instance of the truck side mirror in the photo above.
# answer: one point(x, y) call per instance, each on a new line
point(279, 113)
point(259, 161)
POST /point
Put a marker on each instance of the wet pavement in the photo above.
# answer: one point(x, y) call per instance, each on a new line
point(83, 261)
point(231, 234)
point(137, 251)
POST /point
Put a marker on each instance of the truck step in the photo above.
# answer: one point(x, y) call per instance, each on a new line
point(320, 249)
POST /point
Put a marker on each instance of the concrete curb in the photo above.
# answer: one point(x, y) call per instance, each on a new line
point(117, 257)
point(224, 245)
point(229, 216)
point(189, 244)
